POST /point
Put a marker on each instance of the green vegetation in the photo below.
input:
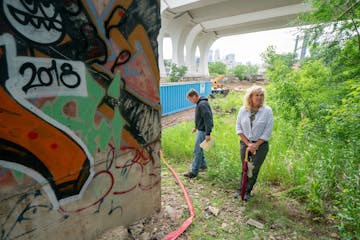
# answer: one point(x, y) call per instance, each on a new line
point(177, 72)
point(310, 179)
point(244, 72)
point(278, 202)
point(217, 68)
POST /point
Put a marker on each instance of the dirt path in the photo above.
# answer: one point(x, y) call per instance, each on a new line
point(173, 119)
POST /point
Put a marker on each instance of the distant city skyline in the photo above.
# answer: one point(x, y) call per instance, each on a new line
point(248, 47)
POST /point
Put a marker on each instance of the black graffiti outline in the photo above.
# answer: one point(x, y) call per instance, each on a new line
point(29, 208)
point(123, 57)
point(51, 20)
point(66, 70)
point(107, 25)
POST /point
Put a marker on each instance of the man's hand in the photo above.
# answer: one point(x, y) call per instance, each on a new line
point(193, 130)
point(207, 138)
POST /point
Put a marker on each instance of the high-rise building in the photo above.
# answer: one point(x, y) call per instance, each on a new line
point(217, 55)
point(210, 57)
point(230, 60)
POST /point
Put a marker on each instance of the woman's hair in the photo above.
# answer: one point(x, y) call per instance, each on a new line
point(252, 90)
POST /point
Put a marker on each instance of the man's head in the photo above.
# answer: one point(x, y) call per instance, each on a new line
point(192, 96)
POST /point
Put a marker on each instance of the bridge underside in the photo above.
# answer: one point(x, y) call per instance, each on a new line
point(199, 23)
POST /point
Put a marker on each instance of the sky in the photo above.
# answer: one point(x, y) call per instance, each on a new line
point(248, 47)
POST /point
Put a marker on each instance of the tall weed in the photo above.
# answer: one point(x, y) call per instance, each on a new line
point(178, 142)
point(324, 124)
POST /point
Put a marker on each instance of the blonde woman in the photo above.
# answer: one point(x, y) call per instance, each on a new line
point(254, 125)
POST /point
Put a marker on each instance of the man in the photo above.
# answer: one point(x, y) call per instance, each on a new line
point(203, 127)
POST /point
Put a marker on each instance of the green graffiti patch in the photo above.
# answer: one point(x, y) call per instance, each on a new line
point(83, 124)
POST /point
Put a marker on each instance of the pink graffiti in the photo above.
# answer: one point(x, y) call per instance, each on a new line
point(139, 159)
point(98, 200)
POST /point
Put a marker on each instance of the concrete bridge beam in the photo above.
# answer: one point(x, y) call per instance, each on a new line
point(189, 21)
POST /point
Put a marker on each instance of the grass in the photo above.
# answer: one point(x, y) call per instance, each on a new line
point(276, 202)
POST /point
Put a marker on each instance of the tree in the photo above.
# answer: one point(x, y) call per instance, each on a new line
point(245, 71)
point(217, 68)
point(167, 63)
point(270, 57)
point(176, 73)
point(332, 22)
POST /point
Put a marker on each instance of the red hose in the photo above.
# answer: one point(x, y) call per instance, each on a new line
point(187, 222)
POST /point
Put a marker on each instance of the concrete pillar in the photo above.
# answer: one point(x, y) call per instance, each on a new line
point(191, 49)
point(204, 41)
point(80, 116)
point(161, 56)
point(177, 29)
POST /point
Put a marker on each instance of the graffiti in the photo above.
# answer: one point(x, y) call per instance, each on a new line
point(122, 58)
point(29, 17)
point(144, 118)
point(46, 76)
point(101, 198)
point(79, 111)
point(27, 149)
point(29, 206)
point(22, 214)
point(133, 161)
point(39, 77)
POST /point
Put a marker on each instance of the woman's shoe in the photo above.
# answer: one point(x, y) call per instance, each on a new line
point(247, 197)
point(237, 194)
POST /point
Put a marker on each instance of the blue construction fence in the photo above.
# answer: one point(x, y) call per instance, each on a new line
point(173, 95)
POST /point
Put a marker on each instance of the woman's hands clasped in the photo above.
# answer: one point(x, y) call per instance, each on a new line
point(253, 147)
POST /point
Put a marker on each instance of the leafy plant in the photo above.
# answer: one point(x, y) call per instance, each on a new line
point(177, 72)
point(244, 72)
point(318, 103)
point(217, 68)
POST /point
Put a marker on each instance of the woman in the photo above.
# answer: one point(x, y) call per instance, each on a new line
point(254, 126)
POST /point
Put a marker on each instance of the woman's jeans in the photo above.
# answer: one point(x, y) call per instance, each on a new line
point(199, 159)
point(256, 159)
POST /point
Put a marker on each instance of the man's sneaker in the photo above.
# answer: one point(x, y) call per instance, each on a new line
point(189, 175)
point(204, 168)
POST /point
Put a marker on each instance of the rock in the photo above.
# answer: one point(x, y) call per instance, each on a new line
point(224, 225)
point(115, 233)
point(212, 233)
point(213, 210)
point(171, 212)
point(255, 223)
point(136, 229)
point(145, 236)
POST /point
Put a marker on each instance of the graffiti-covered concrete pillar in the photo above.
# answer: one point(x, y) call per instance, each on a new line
point(79, 116)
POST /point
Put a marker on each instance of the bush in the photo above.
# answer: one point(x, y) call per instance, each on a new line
point(177, 73)
point(321, 113)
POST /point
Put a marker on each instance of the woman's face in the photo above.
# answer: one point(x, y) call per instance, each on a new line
point(257, 99)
